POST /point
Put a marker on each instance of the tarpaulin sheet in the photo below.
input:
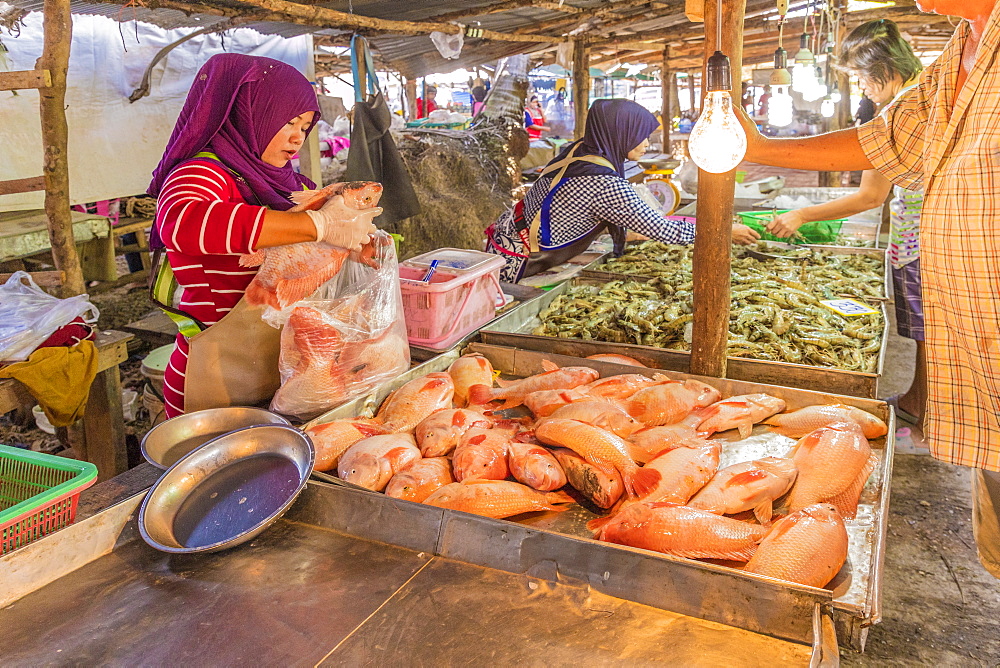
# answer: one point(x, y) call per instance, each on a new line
point(114, 145)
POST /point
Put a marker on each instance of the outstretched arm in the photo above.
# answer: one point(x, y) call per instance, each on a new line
point(830, 152)
point(873, 191)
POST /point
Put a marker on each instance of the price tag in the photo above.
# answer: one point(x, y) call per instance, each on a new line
point(848, 307)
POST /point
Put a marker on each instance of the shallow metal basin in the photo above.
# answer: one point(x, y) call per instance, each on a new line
point(227, 491)
point(168, 441)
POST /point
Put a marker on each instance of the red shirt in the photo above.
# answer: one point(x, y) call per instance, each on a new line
point(206, 225)
point(431, 106)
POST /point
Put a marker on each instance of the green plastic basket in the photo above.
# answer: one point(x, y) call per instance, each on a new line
point(817, 232)
point(38, 494)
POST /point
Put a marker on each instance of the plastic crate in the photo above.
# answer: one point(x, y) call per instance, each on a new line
point(38, 494)
point(817, 232)
point(462, 294)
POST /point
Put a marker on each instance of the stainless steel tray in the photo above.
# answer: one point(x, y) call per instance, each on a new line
point(355, 578)
point(561, 544)
point(514, 330)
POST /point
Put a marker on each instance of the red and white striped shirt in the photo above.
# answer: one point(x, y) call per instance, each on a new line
point(206, 225)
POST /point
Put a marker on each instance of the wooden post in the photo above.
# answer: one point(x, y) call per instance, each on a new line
point(842, 117)
point(581, 85)
point(665, 112)
point(411, 99)
point(711, 257)
point(309, 163)
point(694, 104)
point(58, 27)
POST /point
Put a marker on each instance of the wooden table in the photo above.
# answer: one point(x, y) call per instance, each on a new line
point(155, 328)
point(99, 437)
point(25, 233)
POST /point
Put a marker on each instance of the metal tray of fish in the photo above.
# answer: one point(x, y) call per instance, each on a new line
point(538, 542)
point(514, 330)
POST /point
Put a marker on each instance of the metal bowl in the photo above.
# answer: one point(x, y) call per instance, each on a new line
point(168, 441)
point(227, 491)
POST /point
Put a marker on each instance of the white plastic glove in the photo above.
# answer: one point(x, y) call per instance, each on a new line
point(339, 225)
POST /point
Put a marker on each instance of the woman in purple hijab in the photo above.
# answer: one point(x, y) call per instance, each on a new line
point(223, 189)
point(581, 193)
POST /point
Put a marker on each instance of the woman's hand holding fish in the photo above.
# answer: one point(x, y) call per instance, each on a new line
point(340, 225)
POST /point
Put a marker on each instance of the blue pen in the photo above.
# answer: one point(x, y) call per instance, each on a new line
point(430, 271)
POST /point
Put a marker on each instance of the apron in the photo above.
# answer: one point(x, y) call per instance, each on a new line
point(540, 259)
point(231, 363)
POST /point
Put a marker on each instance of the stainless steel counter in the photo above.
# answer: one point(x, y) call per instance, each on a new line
point(304, 594)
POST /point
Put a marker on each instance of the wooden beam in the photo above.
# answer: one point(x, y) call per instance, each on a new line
point(28, 185)
point(44, 279)
point(581, 85)
point(665, 112)
point(498, 7)
point(329, 18)
point(58, 28)
point(411, 99)
point(309, 162)
point(711, 260)
point(25, 79)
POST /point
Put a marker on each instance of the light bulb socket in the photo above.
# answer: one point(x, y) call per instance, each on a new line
point(780, 59)
point(718, 74)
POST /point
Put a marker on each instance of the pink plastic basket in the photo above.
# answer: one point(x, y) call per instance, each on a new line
point(462, 294)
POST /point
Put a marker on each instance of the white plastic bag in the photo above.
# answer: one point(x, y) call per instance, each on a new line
point(28, 316)
point(344, 340)
point(449, 45)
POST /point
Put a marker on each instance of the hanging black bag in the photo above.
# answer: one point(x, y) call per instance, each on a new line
point(373, 155)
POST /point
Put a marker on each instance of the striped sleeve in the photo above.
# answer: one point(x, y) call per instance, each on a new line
point(195, 213)
point(621, 205)
point(895, 140)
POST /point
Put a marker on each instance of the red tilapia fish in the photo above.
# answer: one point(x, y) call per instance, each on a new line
point(439, 433)
point(332, 439)
point(669, 403)
point(482, 454)
point(683, 471)
point(408, 406)
point(514, 392)
point(544, 403)
point(650, 442)
point(620, 387)
point(295, 271)
point(616, 359)
point(418, 480)
point(602, 488)
point(371, 462)
point(808, 547)
point(496, 498)
point(313, 385)
point(739, 412)
point(805, 420)
point(682, 531)
point(535, 466)
point(601, 448)
point(747, 486)
point(469, 370)
point(834, 463)
point(599, 413)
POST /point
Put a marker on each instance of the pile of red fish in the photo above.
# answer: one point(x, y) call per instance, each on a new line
point(640, 447)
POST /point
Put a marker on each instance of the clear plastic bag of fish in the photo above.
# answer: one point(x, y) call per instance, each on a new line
point(345, 339)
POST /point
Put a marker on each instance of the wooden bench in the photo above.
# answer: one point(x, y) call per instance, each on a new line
point(99, 437)
point(25, 233)
point(139, 227)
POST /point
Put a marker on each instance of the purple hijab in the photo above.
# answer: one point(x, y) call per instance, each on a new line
point(234, 108)
point(614, 127)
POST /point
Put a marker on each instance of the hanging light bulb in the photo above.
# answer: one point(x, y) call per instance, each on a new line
point(817, 89)
point(827, 108)
point(803, 74)
point(836, 97)
point(718, 142)
point(779, 108)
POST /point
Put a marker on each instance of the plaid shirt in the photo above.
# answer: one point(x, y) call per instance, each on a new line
point(951, 147)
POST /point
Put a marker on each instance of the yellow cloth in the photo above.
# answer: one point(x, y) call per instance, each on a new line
point(59, 379)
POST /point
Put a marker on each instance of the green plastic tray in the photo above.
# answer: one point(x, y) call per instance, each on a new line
point(817, 232)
